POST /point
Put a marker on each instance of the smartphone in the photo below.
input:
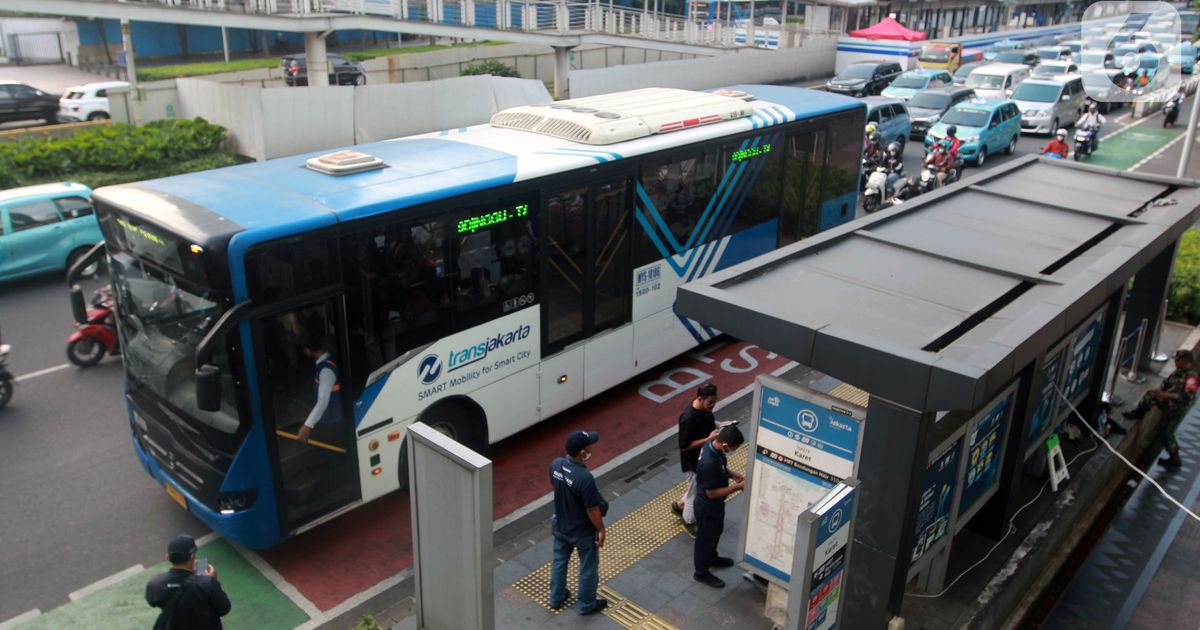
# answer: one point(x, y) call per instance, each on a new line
point(202, 566)
point(730, 423)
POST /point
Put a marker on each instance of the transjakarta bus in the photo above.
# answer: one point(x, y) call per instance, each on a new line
point(479, 280)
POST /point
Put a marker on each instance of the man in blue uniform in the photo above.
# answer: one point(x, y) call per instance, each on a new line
point(712, 488)
point(577, 524)
point(327, 411)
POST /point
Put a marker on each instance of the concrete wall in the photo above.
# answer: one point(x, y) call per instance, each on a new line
point(269, 122)
point(68, 34)
point(814, 58)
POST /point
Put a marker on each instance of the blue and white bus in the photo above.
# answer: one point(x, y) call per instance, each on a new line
point(478, 279)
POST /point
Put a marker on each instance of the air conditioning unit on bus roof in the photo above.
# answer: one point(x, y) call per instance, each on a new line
point(612, 118)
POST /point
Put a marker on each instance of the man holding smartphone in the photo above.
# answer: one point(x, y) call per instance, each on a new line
point(189, 594)
point(697, 427)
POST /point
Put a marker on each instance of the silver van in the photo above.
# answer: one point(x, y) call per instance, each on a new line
point(1050, 103)
point(997, 80)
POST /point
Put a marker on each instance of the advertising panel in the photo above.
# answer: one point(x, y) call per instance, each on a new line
point(828, 565)
point(1046, 395)
point(1080, 360)
point(985, 448)
point(805, 442)
point(937, 498)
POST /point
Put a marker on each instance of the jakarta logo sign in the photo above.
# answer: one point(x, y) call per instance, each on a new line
point(429, 369)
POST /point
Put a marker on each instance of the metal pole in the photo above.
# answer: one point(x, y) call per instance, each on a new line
point(225, 42)
point(1190, 141)
point(1111, 395)
point(1133, 376)
point(1160, 356)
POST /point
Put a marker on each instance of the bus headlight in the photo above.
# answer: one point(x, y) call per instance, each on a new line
point(230, 502)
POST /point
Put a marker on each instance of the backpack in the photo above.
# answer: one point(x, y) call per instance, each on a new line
point(166, 617)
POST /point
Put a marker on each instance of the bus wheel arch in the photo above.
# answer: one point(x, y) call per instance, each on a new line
point(459, 418)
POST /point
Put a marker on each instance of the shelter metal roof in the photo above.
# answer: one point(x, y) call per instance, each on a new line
point(936, 303)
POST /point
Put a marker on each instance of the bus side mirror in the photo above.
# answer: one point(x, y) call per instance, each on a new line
point(208, 387)
point(78, 306)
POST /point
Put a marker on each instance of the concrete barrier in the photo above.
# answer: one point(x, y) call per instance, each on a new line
point(1149, 103)
point(66, 129)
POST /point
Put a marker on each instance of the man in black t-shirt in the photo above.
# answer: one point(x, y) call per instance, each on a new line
point(697, 426)
point(712, 488)
point(188, 601)
point(577, 524)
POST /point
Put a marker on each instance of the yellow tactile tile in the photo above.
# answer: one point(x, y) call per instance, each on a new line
point(851, 394)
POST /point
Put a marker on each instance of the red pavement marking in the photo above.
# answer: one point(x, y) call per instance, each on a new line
point(359, 549)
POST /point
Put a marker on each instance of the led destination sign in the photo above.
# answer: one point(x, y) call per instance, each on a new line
point(749, 152)
point(477, 222)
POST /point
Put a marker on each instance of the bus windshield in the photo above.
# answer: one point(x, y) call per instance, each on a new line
point(163, 314)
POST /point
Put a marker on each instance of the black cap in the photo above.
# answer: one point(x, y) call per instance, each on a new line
point(181, 548)
point(578, 440)
point(1186, 355)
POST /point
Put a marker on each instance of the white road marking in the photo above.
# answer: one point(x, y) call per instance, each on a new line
point(1157, 153)
point(207, 538)
point(285, 587)
point(22, 618)
point(356, 600)
point(49, 370)
point(102, 584)
point(1124, 127)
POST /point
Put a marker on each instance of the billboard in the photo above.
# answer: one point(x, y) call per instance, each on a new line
point(985, 449)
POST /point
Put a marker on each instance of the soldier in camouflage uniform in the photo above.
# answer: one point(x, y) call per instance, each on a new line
point(1174, 398)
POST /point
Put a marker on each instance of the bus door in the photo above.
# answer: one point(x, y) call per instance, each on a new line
point(294, 348)
point(586, 292)
point(800, 217)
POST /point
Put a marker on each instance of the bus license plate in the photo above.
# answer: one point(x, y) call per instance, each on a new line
point(177, 495)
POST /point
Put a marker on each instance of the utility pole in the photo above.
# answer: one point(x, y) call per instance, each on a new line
point(1190, 140)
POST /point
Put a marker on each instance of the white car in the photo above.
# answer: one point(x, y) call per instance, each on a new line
point(87, 102)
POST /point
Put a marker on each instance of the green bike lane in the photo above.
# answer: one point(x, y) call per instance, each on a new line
point(1131, 147)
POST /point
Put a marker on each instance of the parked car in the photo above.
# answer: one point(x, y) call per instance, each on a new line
point(342, 71)
point(1101, 85)
point(997, 80)
point(1092, 59)
point(984, 127)
point(960, 75)
point(87, 102)
point(927, 107)
point(1053, 68)
point(890, 117)
point(913, 81)
point(1027, 57)
point(864, 78)
point(45, 228)
point(25, 102)
point(1183, 56)
point(1048, 104)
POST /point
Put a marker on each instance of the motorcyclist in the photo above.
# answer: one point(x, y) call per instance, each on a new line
point(1176, 99)
point(955, 143)
point(1058, 146)
point(1090, 123)
point(893, 161)
point(873, 154)
point(939, 158)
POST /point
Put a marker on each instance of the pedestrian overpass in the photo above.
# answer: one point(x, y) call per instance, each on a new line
point(560, 24)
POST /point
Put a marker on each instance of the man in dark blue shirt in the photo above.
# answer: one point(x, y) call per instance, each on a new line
point(577, 524)
point(712, 488)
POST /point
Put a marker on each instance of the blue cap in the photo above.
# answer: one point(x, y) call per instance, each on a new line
point(579, 440)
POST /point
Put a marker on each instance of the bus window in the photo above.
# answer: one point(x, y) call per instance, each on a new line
point(759, 163)
point(496, 261)
point(680, 188)
point(840, 181)
point(397, 295)
point(611, 261)
point(290, 267)
point(802, 185)
point(566, 265)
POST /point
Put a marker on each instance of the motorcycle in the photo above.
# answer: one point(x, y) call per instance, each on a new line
point(903, 190)
point(927, 181)
point(1085, 142)
point(97, 334)
point(875, 191)
point(951, 175)
point(7, 382)
point(1170, 113)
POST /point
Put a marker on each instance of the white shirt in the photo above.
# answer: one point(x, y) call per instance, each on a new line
point(1091, 120)
point(325, 383)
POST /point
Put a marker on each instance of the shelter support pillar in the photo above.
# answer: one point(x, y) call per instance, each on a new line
point(318, 63)
point(562, 71)
point(892, 466)
point(130, 62)
point(1147, 300)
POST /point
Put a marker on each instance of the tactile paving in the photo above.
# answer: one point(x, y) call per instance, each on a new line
point(627, 541)
point(851, 394)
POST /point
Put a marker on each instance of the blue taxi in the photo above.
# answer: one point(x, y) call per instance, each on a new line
point(909, 83)
point(984, 127)
point(45, 228)
point(1183, 56)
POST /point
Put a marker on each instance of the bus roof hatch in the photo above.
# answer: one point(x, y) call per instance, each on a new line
point(621, 116)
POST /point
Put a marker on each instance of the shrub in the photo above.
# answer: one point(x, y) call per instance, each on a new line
point(1184, 297)
point(492, 67)
point(114, 149)
point(367, 622)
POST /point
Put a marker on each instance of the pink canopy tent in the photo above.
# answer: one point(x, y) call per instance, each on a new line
point(889, 28)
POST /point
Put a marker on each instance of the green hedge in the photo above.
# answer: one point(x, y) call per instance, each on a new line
point(1184, 299)
point(492, 67)
point(109, 151)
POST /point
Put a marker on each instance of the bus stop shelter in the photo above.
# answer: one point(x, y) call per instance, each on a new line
point(968, 316)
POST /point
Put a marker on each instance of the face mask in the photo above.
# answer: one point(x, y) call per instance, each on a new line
point(587, 456)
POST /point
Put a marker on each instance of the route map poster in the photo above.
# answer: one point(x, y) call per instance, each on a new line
point(828, 568)
point(937, 499)
point(805, 442)
point(1081, 358)
point(1047, 398)
point(985, 441)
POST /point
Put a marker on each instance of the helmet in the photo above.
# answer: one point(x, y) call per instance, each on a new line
point(875, 138)
point(946, 144)
point(926, 176)
point(937, 146)
point(1094, 108)
point(952, 131)
point(894, 148)
point(871, 128)
point(1061, 133)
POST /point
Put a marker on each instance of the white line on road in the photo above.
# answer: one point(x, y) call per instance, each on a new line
point(1124, 127)
point(49, 370)
point(285, 587)
point(356, 600)
point(207, 538)
point(1157, 153)
point(99, 585)
point(22, 618)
